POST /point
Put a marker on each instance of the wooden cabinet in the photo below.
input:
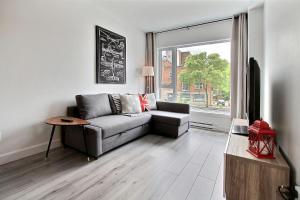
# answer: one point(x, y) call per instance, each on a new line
point(247, 177)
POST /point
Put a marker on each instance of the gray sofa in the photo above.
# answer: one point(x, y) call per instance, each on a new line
point(111, 130)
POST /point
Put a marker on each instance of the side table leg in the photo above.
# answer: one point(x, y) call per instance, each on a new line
point(85, 143)
point(52, 133)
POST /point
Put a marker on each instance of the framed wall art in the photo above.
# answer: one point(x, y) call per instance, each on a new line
point(110, 57)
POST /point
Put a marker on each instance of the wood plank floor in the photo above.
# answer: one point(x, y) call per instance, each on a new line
point(152, 167)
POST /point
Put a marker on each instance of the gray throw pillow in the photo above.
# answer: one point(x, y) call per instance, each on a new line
point(152, 101)
point(130, 104)
point(92, 106)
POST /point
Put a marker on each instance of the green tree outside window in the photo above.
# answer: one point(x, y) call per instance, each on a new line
point(209, 70)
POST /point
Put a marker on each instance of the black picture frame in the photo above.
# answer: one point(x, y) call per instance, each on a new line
point(110, 57)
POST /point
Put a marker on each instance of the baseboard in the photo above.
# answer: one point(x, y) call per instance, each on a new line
point(28, 151)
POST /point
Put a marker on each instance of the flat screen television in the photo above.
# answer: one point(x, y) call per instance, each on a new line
point(253, 91)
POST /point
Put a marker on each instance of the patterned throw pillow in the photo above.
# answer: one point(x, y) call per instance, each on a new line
point(152, 101)
point(130, 104)
point(144, 102)
point(117, 101)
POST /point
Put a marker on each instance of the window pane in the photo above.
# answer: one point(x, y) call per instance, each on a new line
point(201, 76)
point(166, 80)
point(166, 68)
point(166, 94)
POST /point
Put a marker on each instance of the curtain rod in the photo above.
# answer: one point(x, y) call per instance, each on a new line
point(200, 24)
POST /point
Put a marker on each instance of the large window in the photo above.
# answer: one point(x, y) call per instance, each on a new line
point(198, 75)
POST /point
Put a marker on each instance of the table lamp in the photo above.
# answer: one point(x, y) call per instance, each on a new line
point(148, 71)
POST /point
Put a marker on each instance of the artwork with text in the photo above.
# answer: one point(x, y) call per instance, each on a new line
point(110, 57)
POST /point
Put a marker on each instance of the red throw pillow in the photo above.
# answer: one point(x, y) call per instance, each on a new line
point(144, 102)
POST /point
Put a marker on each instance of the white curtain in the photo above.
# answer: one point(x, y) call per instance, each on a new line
point(239, 60)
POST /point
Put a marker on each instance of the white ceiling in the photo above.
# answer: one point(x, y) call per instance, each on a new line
point(158, 15)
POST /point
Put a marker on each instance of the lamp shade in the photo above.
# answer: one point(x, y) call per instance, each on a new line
point(148, 71)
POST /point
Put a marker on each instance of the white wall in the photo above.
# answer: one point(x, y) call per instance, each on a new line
point(282, 70)
point(209, 32)
point(256, 41)
point(256, 34)
point(47, 56)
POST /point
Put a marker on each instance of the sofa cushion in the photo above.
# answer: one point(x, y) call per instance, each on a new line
point(169, 117)
point(91, 106)
point(115, 103)
point(144, 102)
point(130, 104)
point(115, 124)
point(152, 101)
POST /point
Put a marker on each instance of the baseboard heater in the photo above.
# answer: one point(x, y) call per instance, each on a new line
point(201, 125)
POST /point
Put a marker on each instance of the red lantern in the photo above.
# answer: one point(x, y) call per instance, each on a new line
point(261, 140)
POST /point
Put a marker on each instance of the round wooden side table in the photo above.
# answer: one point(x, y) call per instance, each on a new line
point(67, 121)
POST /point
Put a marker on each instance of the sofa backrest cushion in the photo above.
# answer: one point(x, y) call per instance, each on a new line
point(130, 104)
point(95, 105)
